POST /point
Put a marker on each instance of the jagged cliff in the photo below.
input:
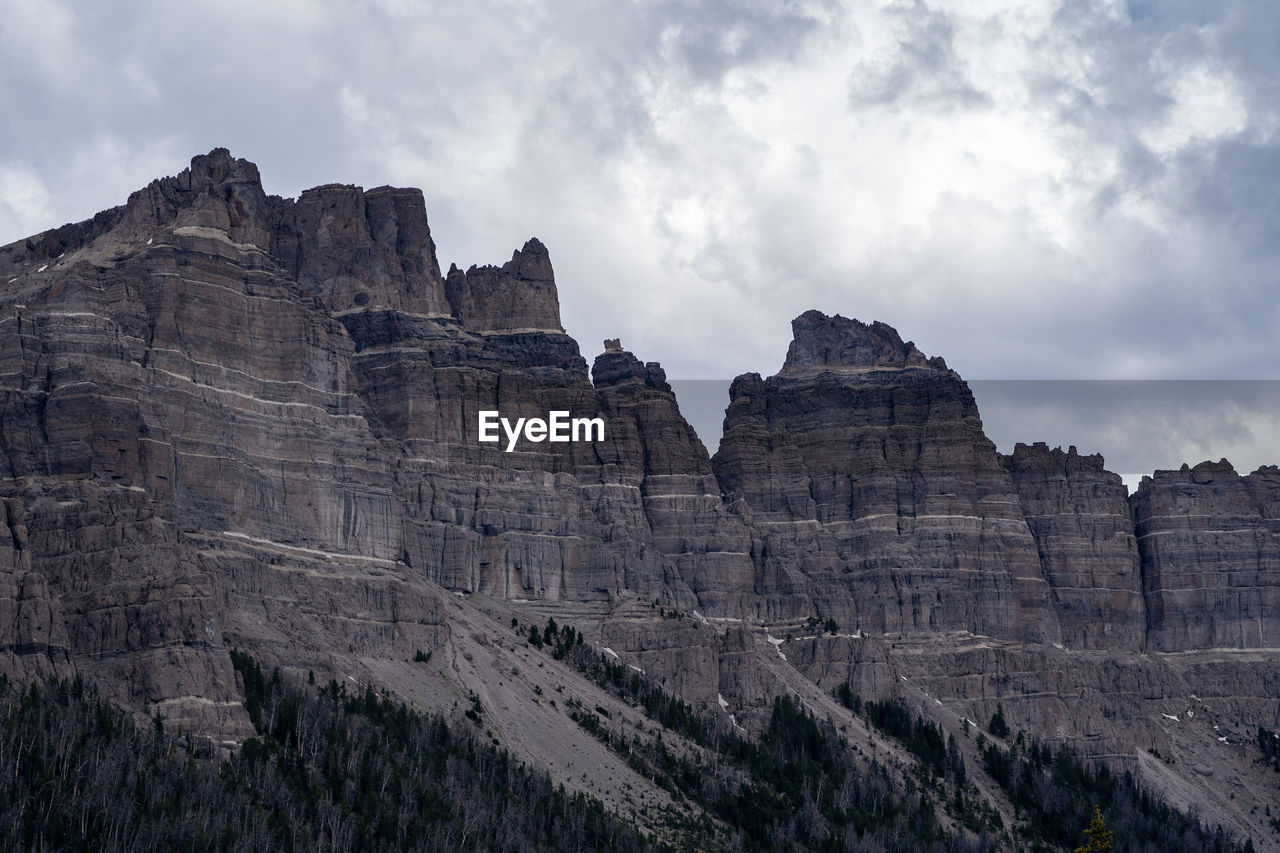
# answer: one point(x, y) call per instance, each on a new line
point(865, 471)
point(229, 419)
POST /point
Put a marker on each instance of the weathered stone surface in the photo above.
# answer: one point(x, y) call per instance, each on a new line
point(360, 249)
point(207, 351)
point(97, 583)
point(864, 468)
point(1209, 541)
point(706, 547)
point(825, 344)
point(520, 294)
point(1079, 514)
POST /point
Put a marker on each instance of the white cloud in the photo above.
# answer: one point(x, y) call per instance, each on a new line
point(24, 201)
point(1206, 106)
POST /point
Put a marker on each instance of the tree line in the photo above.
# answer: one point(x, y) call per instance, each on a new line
point(327, 770)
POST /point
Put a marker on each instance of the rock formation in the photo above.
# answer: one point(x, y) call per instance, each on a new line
point(1209, 540)
point(285, 387)
point(1079, 514)
point(229, 419)
point(521, 294)
point(864, 467)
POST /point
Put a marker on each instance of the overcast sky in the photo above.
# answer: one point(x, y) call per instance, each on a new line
point(1032, 190)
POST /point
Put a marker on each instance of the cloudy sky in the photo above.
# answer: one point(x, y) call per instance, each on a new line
point(1030, 189)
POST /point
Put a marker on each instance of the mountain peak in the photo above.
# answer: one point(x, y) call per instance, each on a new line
point(216, 191)
point(820, 342)
point(520, 294)
point(219, 167)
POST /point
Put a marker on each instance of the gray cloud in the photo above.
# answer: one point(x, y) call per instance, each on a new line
point(1074, 189)
point(922, 67)
point(1139, 426)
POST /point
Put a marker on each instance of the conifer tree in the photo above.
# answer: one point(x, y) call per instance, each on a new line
point(1098, 834)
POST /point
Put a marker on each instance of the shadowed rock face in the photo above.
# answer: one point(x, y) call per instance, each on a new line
point(1079, 514)
point(1209, 542)
point(520, 294)
point(828, 344)
point(361, 250)
point(864, 468)
point(230, 419)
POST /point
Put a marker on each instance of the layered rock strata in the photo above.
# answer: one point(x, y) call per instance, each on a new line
point(1209, 540)
point(863, 468)
point(229, 419)
point(1078, 513)
point(290, 391)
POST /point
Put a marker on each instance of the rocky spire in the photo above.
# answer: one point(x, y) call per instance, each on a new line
point(824, 343)
point(520, 294)
point(216, 191)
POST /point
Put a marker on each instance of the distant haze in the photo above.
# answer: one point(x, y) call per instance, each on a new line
point(1138, 426)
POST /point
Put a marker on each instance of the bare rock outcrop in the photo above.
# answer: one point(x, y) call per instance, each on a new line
point(826, 344)
point(863, 467)
point(356, 249)
point(1209, 541)
point(1079, 514)
point(520, 294)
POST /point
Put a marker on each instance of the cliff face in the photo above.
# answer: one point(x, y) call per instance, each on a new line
point(1079, 514)
point(864, 469)
point(183, 429)
point(232, 420)
point(298, 374)
point(1208, 539)
point(243, 390)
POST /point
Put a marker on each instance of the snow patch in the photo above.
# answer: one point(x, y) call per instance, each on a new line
point(724, 704)
point(636, 668)
point(1222, 740)
point(1170, 717)
point(43, 268)
point(611, 653)
point(701, 617)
